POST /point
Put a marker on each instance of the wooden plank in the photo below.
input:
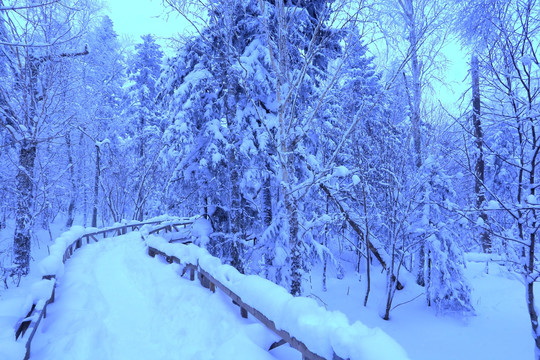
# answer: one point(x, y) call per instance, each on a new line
point(40, 315)
point(33, 330)
point(66, 255)
point(23, 325)
point(243, 312)
point(277, 344)
point(169, 228)
point(182, 241)
point(187, 268)
point(205, 281)
point(33, 324)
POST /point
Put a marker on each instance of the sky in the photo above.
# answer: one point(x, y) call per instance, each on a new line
point(139, 17)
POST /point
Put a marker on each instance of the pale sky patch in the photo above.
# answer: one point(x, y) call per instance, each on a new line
point(133, 18)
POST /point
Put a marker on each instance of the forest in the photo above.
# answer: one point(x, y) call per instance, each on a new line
point(323, 134)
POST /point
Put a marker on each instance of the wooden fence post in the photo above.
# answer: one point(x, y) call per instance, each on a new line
point(243, 313)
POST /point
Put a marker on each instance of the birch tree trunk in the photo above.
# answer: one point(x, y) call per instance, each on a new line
point(409, 13)
point(71, 206)
point(479, 167)
point(97, 179)
point(25, 199)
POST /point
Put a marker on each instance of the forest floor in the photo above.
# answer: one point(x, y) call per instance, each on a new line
point(498, 329)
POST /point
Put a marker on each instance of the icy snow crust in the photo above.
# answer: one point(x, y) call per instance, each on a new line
point(322, 331)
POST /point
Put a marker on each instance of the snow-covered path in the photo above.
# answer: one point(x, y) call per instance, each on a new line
point(115, 302)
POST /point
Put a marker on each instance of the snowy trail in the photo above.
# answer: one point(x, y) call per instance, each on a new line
point(115, 302)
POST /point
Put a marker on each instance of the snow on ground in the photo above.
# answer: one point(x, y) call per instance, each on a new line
point(499, 329)
point(323, 332)
point(115, 302)
point(17, 301)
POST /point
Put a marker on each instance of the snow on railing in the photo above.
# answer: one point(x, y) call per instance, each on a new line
point(299, 321)
point(43, 291)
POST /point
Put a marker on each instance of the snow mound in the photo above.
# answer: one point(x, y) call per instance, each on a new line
point(53, 264)
point(323, 332)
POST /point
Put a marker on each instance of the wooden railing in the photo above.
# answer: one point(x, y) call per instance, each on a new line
point(38, 311)
point(209, 282)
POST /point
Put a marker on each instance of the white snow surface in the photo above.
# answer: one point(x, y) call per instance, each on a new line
point(340, 171)
point(499, 329)
point(323, 332)
point(52, 264)
point(115, 302)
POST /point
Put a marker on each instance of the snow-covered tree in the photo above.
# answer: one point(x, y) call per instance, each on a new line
point(144, 132)
point(246, 105)
point(30, 105)
point(509, 75)
point(102, 76)
point(215, 138)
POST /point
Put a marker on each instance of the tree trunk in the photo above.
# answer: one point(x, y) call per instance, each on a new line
point(267, 200)
point(296, 251)
point(96, 186)
point(416, 124)
point(390, 286)
point(359, 231)
point(416, 72)
point(236, 220)
point(139, 206)
point(85, 189)
point(71, 206)
point(415, 101)
point(267, 220)
point(46, 207)
point(479, 190)
point(25, 202)
point(325, 256)
point(529, 292)
point(368, 253)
